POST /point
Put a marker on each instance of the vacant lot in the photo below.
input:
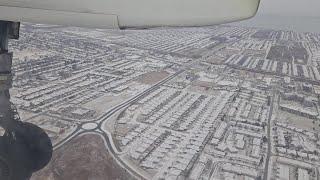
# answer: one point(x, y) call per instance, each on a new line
point(84, 158)
point(153, 77)
point(299, 121)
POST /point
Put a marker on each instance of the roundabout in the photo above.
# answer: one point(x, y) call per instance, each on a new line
point(89, 126)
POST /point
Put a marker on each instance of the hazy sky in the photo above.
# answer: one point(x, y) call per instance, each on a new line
point(290, 7)
point(297, 15)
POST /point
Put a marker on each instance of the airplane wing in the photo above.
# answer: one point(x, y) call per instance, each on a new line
point(127, 13)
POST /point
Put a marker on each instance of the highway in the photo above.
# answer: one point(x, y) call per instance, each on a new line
point(266, 170)
point(136, 98)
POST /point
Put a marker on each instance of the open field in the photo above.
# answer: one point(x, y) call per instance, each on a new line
point(153, 77)
point(83, 158)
